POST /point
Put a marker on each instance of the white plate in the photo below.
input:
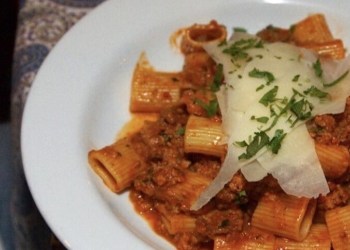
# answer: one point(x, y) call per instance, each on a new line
point(79, 101)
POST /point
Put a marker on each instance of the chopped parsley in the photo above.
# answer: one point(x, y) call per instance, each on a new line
point(262, 119)
point(275, 143)
point(269, 96)
point(180, 131)
point(260, 140)
point(315, 92)
point(241, 198)
point(268, 76)
point(239, 29)
point(319, 73)
point(211, 108)
point(296, 78)
point(218, 78)
point(238, 49)
point(302, 109)
point(241, 143)
point(317, 68)
point(260, 87)
point(336, 80)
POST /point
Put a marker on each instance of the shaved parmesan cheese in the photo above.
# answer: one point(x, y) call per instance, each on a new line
point(271, 90)
point(296, 166)
point(254, 171)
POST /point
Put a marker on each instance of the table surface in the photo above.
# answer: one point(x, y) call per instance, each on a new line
point(41, 24)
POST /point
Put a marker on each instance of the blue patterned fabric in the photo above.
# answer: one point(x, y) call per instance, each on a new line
point(41, 23)
point(78, 3)
point(28, 59)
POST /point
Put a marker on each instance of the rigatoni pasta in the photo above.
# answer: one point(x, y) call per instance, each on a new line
point(284, 215)
point(251, 239)
point(117, 164)
point(193, 38)
point(239, 103)
point(334, 159)
point(204, 136)
point(151, 90)
point(318, 238)
point(338, 223)
point(185, 192)
point(312, 30)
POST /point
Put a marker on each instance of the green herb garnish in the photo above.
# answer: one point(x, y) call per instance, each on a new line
point(268, 76)
point(262, 119)
point(241, 143)
point(239, 29)
point(218, 78)
point(317, 68)
point(302, 109)
point(275, 143)
point(211, 108)
point(260, 140)
point(241, 198)
point(315, 92)
point(260, 87)
point(238, 49)
point(180, 131)
point(269, 96)
point(336, 80)
point(296, 78)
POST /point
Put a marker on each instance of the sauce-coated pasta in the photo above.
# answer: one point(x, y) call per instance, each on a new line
point(279, 181)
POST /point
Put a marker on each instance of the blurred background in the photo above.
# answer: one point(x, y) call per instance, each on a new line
point(8, 20)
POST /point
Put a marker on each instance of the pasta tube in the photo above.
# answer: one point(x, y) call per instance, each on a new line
point(284, 215)
point(338, 223)
point(311, 30)
point(151, 91)
point(197, 35)
point(204, 136)
point(331, 49)
point(318, 238)
point(252, 239)
point(334, 159)
point(117, 164)
point(179, 223)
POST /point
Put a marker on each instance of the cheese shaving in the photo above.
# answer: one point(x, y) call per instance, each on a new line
point(274, 89)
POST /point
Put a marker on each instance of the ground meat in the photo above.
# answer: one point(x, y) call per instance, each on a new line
point(205, 165)
point(160, 144)
point(332, 129)
point(145, 185)
point(322, 127)
point(167, 176)
point(233, 191)
point(219, 222)
point(256, 189)
point(190, 241)
point(199, 68)
point(274, 34)
point(196, 100)
point(339, 196)
point(175, 115)
point(162, 140)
